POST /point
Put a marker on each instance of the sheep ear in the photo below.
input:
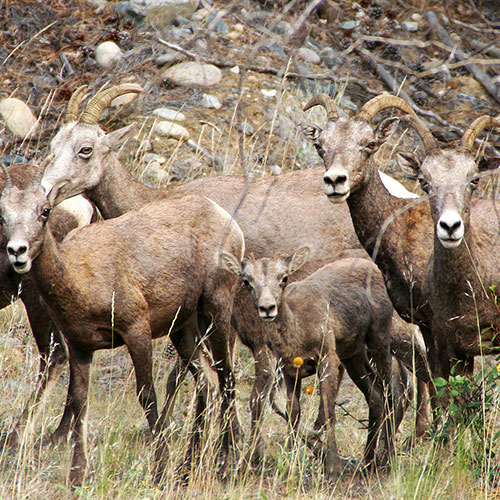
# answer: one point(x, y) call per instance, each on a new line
point(299, 258)
point(116, 138)
point(230, 263)
point(311, 132)
point(53, 195)
point(409, 163)
point(386, 128)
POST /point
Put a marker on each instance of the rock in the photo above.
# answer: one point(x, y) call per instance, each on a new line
point(246, 128)
point(410, 26)
point(193, 74)
point(210, 101)
point(171, 129)
point(161, 13)
point(268, 93)
point(330, 57)
point(18, 117)
point(309, 55)
point(170, 57)
point(154, 175)
point(107, 54)
point(283, 28)
point(169, 114)
point(150, 157)
point(214, 23)
point(275, 169)
point(11, 159)
point(416, 17)
point(348, 25)
point(235, 70)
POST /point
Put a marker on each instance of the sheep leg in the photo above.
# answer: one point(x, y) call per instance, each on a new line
point(359, 369)
point(79, 366)
point(263, 381)
point(293, 386)
point(330, 374)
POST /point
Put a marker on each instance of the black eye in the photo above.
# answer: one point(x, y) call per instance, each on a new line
point(319, 149)
point(45, 214)
point(85, 152)
point(474, 182)
point(284, 280)
point(426, 187)
point(246, 282)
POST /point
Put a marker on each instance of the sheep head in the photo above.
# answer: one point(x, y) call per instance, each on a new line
point(81, 147)
point(266, 278)
point(345, 145)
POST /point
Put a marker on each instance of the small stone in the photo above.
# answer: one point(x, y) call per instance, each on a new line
point(283, 28)
point(330, 57)
point(348, 25)
point(200, 14)
point(240, 28)
point(169, 114)
point(107, 54)
point(150, 157)
point(253, 79)
point(193, 74)
point(170, 57)
point(410, 26)
point(18, 117)
point(416, 17)
point(246, 128)
point(309, 55)
point(161, 13)
point(275, 169)
point(235, 70)
point(268, 93)
point(171, 129)
point(210, 101)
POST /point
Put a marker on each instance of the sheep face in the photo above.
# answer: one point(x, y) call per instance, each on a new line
point(449, 178)
point(24, 215)
point(345, 145)
point(80, 151)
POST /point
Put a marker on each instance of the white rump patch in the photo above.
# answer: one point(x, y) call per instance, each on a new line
point(394, 187)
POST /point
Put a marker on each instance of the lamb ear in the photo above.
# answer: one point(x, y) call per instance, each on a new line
point(230, 263)
point(409, 163)
point(299, 258)
point(116, 138)
point(386, 128)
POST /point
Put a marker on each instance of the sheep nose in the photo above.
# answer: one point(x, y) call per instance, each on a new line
point(334, 180)
point(16, 250)
point(267, 310)
point(450, 228)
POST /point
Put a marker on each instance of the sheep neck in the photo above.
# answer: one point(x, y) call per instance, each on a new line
point(118, 192)
point(403, 249)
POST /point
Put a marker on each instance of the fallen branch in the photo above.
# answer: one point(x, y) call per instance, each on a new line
point(478, 73)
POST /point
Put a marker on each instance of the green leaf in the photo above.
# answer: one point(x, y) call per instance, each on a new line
point(440, 382)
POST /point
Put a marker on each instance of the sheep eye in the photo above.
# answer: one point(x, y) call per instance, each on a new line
point(426, 187)
point(370, 147)
point(246, 282)
point(85, 152)
point(45, 214)
point(474, 182)
point(319, 149)
point(284, 280)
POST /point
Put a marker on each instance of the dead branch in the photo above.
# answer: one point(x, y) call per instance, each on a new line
point(478, 73)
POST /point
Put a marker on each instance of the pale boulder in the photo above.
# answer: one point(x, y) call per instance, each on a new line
point(193, 74)
point(18, 117)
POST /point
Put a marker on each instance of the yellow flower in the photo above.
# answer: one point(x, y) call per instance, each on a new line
point(498, 368)
point(298, 362)
point(309, 389)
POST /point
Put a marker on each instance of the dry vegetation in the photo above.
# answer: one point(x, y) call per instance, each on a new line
point(46, 53)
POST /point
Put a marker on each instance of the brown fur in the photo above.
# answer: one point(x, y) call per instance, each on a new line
point(125, 281)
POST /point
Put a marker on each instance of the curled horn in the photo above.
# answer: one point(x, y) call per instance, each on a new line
point(41, 169)
point(327, 102)
point(425, 134)
point(381, 102)
point(96, 106)
point(73, 104)
point(475, 128)
point(8, 180)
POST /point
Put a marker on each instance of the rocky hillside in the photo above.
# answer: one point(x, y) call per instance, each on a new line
point(225, 82)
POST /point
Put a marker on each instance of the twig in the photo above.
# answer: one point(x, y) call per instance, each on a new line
point(478, 73)
point(485, 47)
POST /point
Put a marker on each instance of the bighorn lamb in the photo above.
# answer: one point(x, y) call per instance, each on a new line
point(49, 341)
point(275, 213)
point(463, 273)
point(339, 314)
point(126, 281)
point(398, 231)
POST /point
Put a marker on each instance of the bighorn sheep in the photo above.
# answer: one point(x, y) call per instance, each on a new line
point(339, 314)
point(126, 281)
point(49, 341)
point(399, 231)
point(275, 213)
point(463, 273)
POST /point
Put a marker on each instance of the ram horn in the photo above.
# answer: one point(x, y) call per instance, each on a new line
point(475, 128)
point(381, 102)
point(327, 102)
point(71, 114)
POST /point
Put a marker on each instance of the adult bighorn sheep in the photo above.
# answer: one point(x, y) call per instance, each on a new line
point(339, 314)
point(275, 213)
point(48, 339)
point(126, 281)
point(463, 273)
point(399, 231)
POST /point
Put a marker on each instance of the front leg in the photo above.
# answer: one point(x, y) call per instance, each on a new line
point(79, 365)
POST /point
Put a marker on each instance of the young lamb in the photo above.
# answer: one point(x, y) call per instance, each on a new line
point(126, 281)
point(339, 314)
